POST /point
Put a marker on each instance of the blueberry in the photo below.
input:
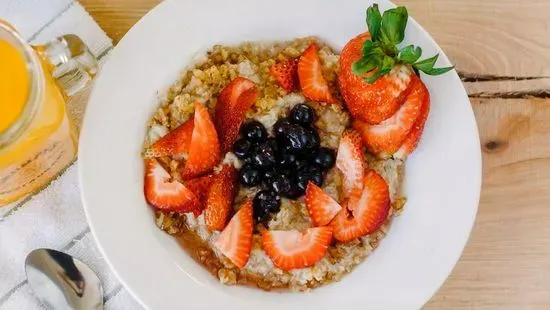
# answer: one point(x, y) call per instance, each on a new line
point(273, 142)
point(299, 140)
point(285, 185)
point(313, 141)
point(286, 159)
point(302, 114)
point(294, 193)
point(300, 163)
point(263, 155)
point(242, 148)
point(254, 132)
point(280, 127)
point(324, 158)
point(249, 175)
point(265, 202)
point(269, 175)
point(307, 174)
point(282, 183)
point(261, 215)
point(295, 139)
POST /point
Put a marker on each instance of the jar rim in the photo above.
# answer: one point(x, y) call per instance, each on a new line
point(35, 91)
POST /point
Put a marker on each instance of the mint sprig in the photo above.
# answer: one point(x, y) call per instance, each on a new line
point(380, 52)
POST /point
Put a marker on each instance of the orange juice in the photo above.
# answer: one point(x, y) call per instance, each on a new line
point(14, 84)
point(36, 138)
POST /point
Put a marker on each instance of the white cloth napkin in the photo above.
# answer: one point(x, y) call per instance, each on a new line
point(53, 218)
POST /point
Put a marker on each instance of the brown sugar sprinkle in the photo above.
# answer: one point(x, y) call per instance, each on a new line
point(170, 222)
point(398, 204)
point(227, 276)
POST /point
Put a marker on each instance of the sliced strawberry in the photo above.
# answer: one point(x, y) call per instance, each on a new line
point(371, 103)
point(366, 210)
point(232, 92)
point(164, 194)
point(200, 186)
point(235, 120)
point(176, 142)
point(235, 241)
point(321, 207)
point(310, 73)
point(387, 137)
point(286, 74)
point(296, 249)
point(219, 200)
point(204, 151)
point(351, 160)
point(234, 100)
point(410, 143)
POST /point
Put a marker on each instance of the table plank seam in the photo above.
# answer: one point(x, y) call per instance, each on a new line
point(475, 77)
point(541, 94)
point(479, 86)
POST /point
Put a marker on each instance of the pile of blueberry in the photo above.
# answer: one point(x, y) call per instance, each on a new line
point(284, 163)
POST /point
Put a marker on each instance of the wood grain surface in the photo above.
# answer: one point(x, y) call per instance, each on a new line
point(501, 48)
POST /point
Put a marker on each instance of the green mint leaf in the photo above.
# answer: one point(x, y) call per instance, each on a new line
point(384, 39)
point(374, 20)
point(387, 65)
point(380, 53)
point(426, 64)
point(372, 49)
point(409, 54)
point(394, 22)
point(439, 71)
point(366, 64)
point(368, 47)
point(389, 49)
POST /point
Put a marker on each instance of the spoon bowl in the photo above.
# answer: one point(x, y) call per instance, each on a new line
point(61, 281)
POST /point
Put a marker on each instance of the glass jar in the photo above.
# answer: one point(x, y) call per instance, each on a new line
point(37, 139)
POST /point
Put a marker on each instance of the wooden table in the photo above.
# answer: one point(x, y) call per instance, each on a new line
point(501, 48)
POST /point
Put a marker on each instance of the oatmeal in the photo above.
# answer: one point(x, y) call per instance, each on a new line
point(273, 100)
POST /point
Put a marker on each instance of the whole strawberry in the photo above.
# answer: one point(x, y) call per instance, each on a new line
point(374, 74)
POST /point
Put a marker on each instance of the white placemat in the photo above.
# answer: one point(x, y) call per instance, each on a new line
point(53, 218)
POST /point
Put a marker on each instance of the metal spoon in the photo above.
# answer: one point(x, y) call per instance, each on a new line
point(61, 281)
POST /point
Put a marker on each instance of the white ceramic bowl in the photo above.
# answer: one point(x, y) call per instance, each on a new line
point(443, 176)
